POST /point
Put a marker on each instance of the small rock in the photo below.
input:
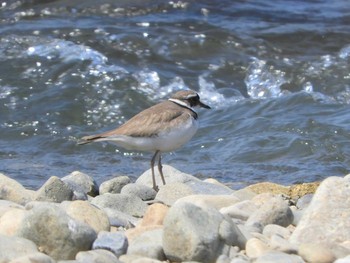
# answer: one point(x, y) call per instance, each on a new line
point(120, 219)
point(255, 248)
point(115, 185)
point(270, 230)
point(34, 258)
point(132, 205)
point(144, 192)
point(216, 201)
point(316, 225)
point(154, 215)
point(81, 183)
point(13, 191)
point(316, 253)
point(117, 242)
point(189, 231)
point(216, 182)
point(55, 233)
point(171, 192)
point(304, 201)
point(14, 247)
point(11, 221)
point(276, 211)
point(54, 190)
point(133, 233)
point(275, 256)
point(244, 194)
point(281, 244)
point(148, 244)
point(241, 210)
point(86, 213)
point(97, 256)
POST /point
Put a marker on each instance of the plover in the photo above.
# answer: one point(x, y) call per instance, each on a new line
point(163, 127)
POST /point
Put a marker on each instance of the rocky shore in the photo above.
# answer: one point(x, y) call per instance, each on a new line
point(71, 219)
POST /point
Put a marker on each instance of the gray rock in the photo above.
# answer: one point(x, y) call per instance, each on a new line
point(120, 219)
point(57, 234)
point(116, 242)
point(275, 256)
point(171, 192)
point(81, 184)
point(54, 190)
point(140, 190)
point(275, 211)
point(148, 244)
point(280, 244)
point(270, 230)
point(244, 194)
point(97, 256)
point(304, 201)
point(326, 219)
point(87, 213)
point(115, 185)
point(316, 253)
point(189, 231)
point(13, 191)
point(256, 247)
point(241, 210)
point(34, 258)
point(129, 204)
point(14, 247)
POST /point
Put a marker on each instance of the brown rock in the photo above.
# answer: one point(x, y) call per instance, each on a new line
point(11, 221)
point(154, 215)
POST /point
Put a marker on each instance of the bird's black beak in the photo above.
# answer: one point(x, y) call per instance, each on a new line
point(201, 104)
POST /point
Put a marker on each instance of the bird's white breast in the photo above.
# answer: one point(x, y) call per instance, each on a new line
point(166, 141)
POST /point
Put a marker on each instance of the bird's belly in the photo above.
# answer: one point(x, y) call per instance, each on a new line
point(165, 141)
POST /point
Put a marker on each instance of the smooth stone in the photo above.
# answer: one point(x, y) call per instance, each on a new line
point(133, 233)
point(13, 191)
point(241, 210)
point(316, 253)
point(154, 215)
point(262, 198)
point(304, 201)
point(55, 233)
point(54, 190)
point(215, 201)
point(275, 256)
point(128, 258)
point(34, 258)
point(14, 247)
point(216, 182)
point(120, 219)
point(326, 219)
point(86, 213)
point(255, 248)
point(244, 194)
point(343, 260)
point(114, 185)
point(189, 230)
point(148, 244)
point(298, 215)
point(279, 243)
point(276, 211)
point(81, 183)
point(6, 205)
point(142, 191)
point(11, 221)
point(131, 205)
point(270, 230)
point(97, 256)
point(171, 192)
point(116, 242)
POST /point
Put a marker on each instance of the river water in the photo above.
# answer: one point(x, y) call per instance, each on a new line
point(276, 74)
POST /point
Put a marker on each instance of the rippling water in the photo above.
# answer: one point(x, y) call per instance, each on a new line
point(276, 73)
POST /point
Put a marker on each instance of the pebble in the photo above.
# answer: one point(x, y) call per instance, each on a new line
point(189, 231)
point(115, 185)
point(86, 213)
point(275, 211)
point(142, 191)
point(179, 223)
point(54, 190)
point(327, 216)
point(81, 183)
point(11, 190)
point(97, 256)
point(116, 242)
point(129, 204)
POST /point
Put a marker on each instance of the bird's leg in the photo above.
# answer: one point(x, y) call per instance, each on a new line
point(155, 187)
point(160, 168)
